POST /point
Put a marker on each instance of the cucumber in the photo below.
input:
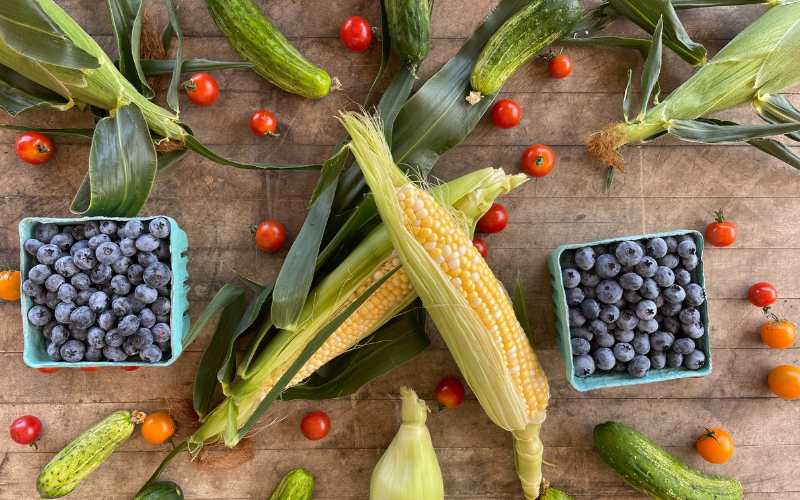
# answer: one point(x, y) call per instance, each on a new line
point(85, 453)
point(652, 470)
point(554, 494)
point(160, 490)
point(409, 29)
point(521, 37)
point(273, 57)
point(297, 484)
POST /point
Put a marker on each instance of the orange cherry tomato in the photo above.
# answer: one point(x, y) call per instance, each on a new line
point(47, 370)
point(316, 425)
point(356, 33)
point(762, 294)
point(715, 445)
point(34, 148)
point(778, 333)
point(270, 236)
point(722, 232)
point(506, 113)
point(202, 89)
point(494, 220)
point(157, 427)
point(480, 245)
point(450, 392)
point(9, 286)
point(88, 368)
point(538, 160)
point(784, 382)
point(559, 66)
point(263, 123)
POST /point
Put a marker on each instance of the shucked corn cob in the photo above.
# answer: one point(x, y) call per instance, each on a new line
point(469, 305)
point(471, 194)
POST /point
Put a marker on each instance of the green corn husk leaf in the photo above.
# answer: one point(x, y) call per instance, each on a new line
point(694, 4)
point(172, 88)
point(126, 20)
point(712, 133)
point(651, 69)
point(155, 67)
point(18, 94)
point(641, 45)
point(72, 133)
point(777, 109)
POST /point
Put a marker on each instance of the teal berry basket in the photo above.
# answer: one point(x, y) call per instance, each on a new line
point(600, 380)
point(34, 352)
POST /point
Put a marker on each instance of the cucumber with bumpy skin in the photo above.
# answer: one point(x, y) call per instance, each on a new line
point(652, 470)
point(409, 29)
point(527, 32)
point(161, 490)
point(85, 453)
point(273, 57)
point(297, 484)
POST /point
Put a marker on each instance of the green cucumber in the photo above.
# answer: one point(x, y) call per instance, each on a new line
point(160, 490)
point(554, 494)
point(527, 32)
point(652, 470)
point(273, 57)
point(297, 484)
point(409, 29)
point(84, 454)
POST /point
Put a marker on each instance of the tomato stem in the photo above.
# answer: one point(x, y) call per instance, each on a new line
point(771, 315)
point(719, 216)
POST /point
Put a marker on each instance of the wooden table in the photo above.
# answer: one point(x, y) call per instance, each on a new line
point(666, 185)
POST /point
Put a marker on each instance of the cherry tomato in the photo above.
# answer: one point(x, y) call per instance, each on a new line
point(721, 233)
point(762, 294)
point(450, 392)
point(88, 369)
point(494, 220)
point(538, 160)
point(480, 245)
point(784, 381)
point(34, 148)
point(559, 66)
point(506, 113)
point(130, 368)
point(715, 445)
point(157, 427)
point(316, 425)
point(47, 370)
point(356, 33)
point(9, 286)
point(270, 236)
point(263, 123)
point(778, 333)
point(202, 89)
point(25, 430)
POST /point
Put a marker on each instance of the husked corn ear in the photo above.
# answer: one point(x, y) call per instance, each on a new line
point(436, 230)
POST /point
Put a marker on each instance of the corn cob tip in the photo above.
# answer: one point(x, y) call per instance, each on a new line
point(604, 145)
point(474, 97)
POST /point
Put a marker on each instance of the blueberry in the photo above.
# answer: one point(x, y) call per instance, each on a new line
point(63, 241)
point(96, 337)
point(694, 360)
point(162, 332)
point(84, 259)
point(607, 266)
point(83, 296)
point(683, 346)
point(664, 276)
point(609, 292)
point(78, 333)
point(30, 288)
point(136, 304)
point(646, 268)
point(589, 307)
point(45, 232)
point(128, 325)
point(650, 289)
point(656, 247)
point(39, 315)
point(624, 352)
point(674, 359)
point(661, 340)
point(120, 266)
point(133, 229)
point(79, 245)
point(120, 285)
point(575, 332)
point(96, 241)
point(32, 245)
point(147, 243)
point(48, 254)
point(113, 338)
point(596, 327)
point(48, 329)
point(127, 247)
point(75, 231)
point(51, 299)
point(151, 353)
point(682, 277)
point(135, 274)
point(646, 309)
point(59, 334)
point(686, 248)
point(101, 274)
point(574, 295)
point(159, 227)
point(147, 318)
point(584, 258)
point(609, 313)
point(107, 320)
point(114, 353)
point(674, 294)
point(107, 252)
point(604, 340)
point(584, 365)
point(82, 317)
point(569, 277)
point(669, 260)
point(62, 312)
point(589, 279)
point(576, 317)
point(672, 244)
point(627, 320)
point(631, 281)
point(689, 315)
point(98, 301)
point(659, 301)
point(93, 354)
point(658, 360)
point(72, 351)
point(604, 359)
point(144, 337)
point(65, 266)
point(91, 229)
point(669, 309)
point(53, 282)
point(81, 281)
point(580, 346)
point(639, 366)
point(54, 352)
point(647, 325)
point(40, 298)
point(131, 346)
point(623, 335)
point(108, 227)
point(695, 296)
point(693, 330)
point(690, 262)
point(629, 253)
point(671, 325)
point(641, 343)
point(146, 259)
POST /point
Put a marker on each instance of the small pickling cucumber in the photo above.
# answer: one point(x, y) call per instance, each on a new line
point(160, 490)
point(554, 494)
point(297, 484)
point(273, 57)
point(652, 470)
point(409, 29)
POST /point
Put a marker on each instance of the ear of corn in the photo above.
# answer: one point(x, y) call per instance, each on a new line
point(471, 195)
point(470, 307)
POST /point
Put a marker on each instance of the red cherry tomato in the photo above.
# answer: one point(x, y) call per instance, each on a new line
point(130, 368)
point(480, 245)
point(202, 89)
point(263, 122)
point(762, 294)
point(560, 66)
point(25, 430)
point(494, 220)
point(316, 425)
point(34, 148)
point(88, 369)
point(722, 232)
point(538, 160)
point(506, 113)
point(270, 236)
point(356, 33)
point(450, 392)
point(48, 370)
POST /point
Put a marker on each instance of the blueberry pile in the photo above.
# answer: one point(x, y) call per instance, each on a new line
point(101, 290)
point(634, 306)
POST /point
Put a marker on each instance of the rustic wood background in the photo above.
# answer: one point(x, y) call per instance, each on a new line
point(666, 185)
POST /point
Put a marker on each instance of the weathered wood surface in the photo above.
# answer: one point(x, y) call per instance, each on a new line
point(666, 185)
